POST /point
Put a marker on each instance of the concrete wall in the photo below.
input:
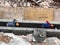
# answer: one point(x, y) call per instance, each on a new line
point(57, 15)
point(11, 13)
point(39, 14)
point(27, 13)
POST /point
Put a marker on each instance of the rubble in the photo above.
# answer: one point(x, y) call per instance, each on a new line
point(52, 41)
point(44, 4)
point(29, 3)
point(11, 39)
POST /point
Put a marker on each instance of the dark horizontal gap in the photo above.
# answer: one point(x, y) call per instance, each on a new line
point(30, 25)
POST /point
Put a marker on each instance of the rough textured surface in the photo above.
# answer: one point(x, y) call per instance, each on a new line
point(15, 40)
point(53, 41)
point(37, 14)
point(11, 13)
point(57, 15)
point(30, 13)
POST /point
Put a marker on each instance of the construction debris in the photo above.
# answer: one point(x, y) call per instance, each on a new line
point(29, 3)
point(11, 39)
point(53, 41)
